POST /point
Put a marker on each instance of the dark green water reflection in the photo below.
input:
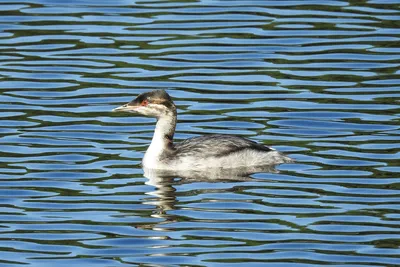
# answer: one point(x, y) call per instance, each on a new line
point(318, 80)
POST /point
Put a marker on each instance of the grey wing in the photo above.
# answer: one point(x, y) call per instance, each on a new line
point(216, 146)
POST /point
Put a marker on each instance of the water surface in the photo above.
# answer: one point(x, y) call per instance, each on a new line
point(317, 80)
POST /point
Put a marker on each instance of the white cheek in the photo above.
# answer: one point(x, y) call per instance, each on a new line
point(156, 110)
point(145, 110)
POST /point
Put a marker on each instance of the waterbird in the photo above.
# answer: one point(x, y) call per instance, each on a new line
point(197, 153)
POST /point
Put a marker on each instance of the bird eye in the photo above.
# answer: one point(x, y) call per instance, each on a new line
point(144, 102)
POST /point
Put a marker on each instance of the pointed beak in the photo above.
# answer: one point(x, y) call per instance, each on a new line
point(126, 107)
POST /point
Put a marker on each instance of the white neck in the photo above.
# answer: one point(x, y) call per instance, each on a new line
point(162, 139)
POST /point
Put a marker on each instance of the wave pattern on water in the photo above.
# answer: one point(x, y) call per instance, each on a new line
point(318, 80)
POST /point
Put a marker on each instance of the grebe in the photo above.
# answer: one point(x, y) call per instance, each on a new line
point(197, 153)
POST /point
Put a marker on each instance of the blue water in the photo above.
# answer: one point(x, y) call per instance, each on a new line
point(318, 80)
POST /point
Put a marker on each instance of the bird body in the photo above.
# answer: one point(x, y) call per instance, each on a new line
point(197, 153)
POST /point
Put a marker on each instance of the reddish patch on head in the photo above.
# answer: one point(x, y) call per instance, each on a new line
point(144, 103)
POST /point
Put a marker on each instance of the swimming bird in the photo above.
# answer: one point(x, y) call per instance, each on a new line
point(197, 153)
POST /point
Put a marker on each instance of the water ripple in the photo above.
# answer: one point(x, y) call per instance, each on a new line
point(317, 80)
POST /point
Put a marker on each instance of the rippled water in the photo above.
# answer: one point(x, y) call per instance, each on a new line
point(316, 79)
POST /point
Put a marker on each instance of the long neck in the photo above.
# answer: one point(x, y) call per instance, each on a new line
point(165, 129)
point(163, 134)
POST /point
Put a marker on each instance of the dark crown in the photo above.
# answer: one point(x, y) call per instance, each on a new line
point(155, 97)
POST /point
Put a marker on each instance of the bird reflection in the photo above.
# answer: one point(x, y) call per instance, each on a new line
point(164, 196)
